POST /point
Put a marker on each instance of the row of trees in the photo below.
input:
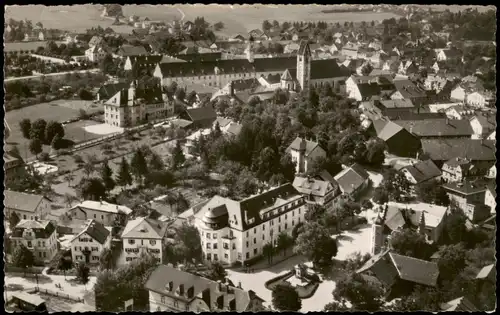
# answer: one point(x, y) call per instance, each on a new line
point(40, 132)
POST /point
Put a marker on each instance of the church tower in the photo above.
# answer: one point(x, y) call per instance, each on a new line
point(304, 65)
point(249, 49)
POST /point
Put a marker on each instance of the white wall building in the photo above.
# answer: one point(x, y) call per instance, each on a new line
point(144, 235)
point(40, 237)
point(100, 211)
point(26, 206)
point(88, 245)
point(303, 153)
point(236, 231)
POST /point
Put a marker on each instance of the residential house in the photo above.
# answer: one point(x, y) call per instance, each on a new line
point(458, 94)
point(399, 141)
point(35, 35)
point(137, 105)
point(461, 304)
point(353, 180)
point(96, 41)
point(375, 44)
point(492, 136)
point(107, 91)
point(407, 89)
point(145, 63)
point(350, 50)
point(144, 235)
point(459, 112)
point(317, 191)
point(466, 192)
point(400, 273)
point(480, 99)
point(201, 117)
point(129, 50)
point(394, 107)
point(236, 231)
point(448, 54)
point(480, 152)
point(490, 195)
point(39, 236)
point(437, 128)
point(304, 152)
point(483, 125)
point(99, 211)
point(96, 53)
point(421, 172)
point(363, 88)
point(434, 82)
point(88, 244)
point(26, 206)
point(173, 290)
point(487, 273)
point(458, 169)
point(191, 140)
point(407, 67)
point(14, 168)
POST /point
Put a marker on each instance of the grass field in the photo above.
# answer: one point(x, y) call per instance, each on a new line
point(60, 110)
point(25, 45)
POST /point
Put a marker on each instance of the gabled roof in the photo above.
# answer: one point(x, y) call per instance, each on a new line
point(408, 89)
point(150, 95)
point(326, 68)
point(487, 122)
point(95, 230)
point(351, 178)
point(423, 170)
point(404, 103)
point(386, 129)
point(96, 40)
point(445, 149)
point(201, 113)
point(217, 296)
point(287, 76)
point(41, 229)
point(22, 201)
point(103, 206)
point(467, 187)
point(437, 127)
point(129, 50)
point(300, 144)
point(145, 228)
point(311, 186)
point(486, 271)
point(108, 90)
point(415, 270)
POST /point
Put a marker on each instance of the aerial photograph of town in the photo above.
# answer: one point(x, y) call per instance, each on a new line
point(249, 158)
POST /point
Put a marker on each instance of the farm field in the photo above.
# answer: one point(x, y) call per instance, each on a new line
point(60, 110)
point(17, 46)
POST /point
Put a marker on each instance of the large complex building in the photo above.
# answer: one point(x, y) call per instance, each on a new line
point(37, 236)
point(236, 231)
point(136, 105)
point(297, 73)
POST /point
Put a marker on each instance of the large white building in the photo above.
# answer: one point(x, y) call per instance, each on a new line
point(236, 231)
point(88, 245)
point(297, 73)
point(144, 235)
point(26, 206)
point(100, 211)
point(40, 237)
point(135, 106)
point(96, 53)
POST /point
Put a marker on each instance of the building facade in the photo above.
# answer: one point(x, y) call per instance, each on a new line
point(144, 235)
point(100, 211)
point(88, 245)
point(40, 237)
point(236, 231)
point(26, 206)
point(303, 153)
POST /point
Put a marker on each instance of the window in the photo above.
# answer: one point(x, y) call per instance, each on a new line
point(209, 245)
point(285, 216)
point(162, 300)
point(102, 217)
point(95, 216)
point(152, 242)
point(234, 246)
point(216, 257)
point(293, 223)
point(263, 227)
point(208, 235)
point(247, 255)
point(209, 256)
point(215, 245)
point(239, 256)
point(254, 240)
point(286, 226)
point(255, 231)
point(247, 243)
point(29, 244)
point(44, 255)
point(299, 210)
point(279, 220)
point(293, 213)
point(215, 236)
point(131, 242)
point(24, 216)
point(202, 233)
point(279, 229)
point(247, 234)
point(40, 254)
point(226, 256)
point(225, 246)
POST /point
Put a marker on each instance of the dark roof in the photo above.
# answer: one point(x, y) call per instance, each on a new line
point(129, 50)
point(446, 149)
point(201, 113)
point(150, 95)
point(406, 115)
point(42, 229)
point(404, 103)
point(303, 144)
point(351, 178)
point(326, 68)
point(108, 90)
point(382, 267)
point(145, 59)
point(273, 78)
point(408, 89)
point(489, 123)
point(416, 270)
point(437, 127)
point(467, 187)
point(21, 201)
point(217, 296)
point(423, 170)
point(367, 90)
point(95, 230)
point(461, 304)
point(245, 84)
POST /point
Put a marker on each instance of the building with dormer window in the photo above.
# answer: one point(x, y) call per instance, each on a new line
point(236, 231)
point(40, 237)
point(88, 245)
point(173, 290)
point(303, 153)
point(144, 235)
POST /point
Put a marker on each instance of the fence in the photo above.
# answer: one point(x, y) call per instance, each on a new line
point(59, 294)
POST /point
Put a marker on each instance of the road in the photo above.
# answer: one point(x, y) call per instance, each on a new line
point(49, 75)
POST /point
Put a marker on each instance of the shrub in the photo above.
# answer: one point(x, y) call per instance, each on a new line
point(44, 157)
point(78, 158)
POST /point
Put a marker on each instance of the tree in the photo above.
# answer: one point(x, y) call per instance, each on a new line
point(315, 243)
point(432, 192)
point(396, 184)
point(266, 164)
point(123, 177)
point(13, 220)
point(375, 152)
point(286, 298)
point(191, 97)
point(355, 261)
point(37, 130)
point(188, 244)
point(216, 271)
point(156, 162)
point(56, 142)
point(266, 25)
point(455, 228)
point(91, 189)
point(180, 94)
point(178, 157)
point(218, 26)
point(107, 65)
point(35, 146)
point(25, 126)
point(52, 130)
point(451, 261)
point(107, 177)
point(23, 258)
point(64, 264)
point(68, 199)
point(106, 260)
point(362, 294)
point(139, 166)
point(88, 169)
point(268, 251)
point(68, 178)
point(314, 213)
point(410, 243)
point(284, 242)
point(380, 196)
